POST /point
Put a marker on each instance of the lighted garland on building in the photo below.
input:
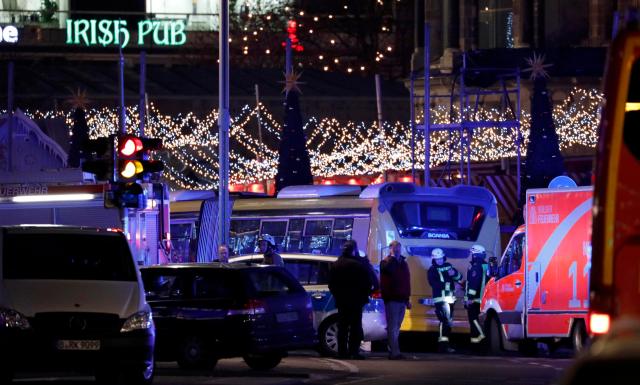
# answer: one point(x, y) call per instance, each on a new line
point(336, 148)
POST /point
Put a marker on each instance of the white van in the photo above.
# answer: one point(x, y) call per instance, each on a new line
point(72, 298)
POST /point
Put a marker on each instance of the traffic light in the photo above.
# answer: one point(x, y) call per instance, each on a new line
point(125, 195)
point(100, 157)
point(133, 158)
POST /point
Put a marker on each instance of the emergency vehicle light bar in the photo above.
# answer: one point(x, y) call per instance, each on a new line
point(52, 198)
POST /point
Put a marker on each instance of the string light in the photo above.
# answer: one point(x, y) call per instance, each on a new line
point(261, 25)
point(335, 148)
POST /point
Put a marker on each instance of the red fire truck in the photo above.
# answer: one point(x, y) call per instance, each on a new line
point(539, 289)
point(147, 229)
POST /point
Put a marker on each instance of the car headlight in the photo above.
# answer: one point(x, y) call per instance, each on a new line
point(12, 319)
point(139, 321)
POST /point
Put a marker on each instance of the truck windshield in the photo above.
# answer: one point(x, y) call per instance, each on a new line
point(67, 257)
point(437, 220)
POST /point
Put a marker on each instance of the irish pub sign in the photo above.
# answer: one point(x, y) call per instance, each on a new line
point(118, 32)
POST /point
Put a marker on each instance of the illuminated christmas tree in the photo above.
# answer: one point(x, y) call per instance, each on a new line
point(80, 132)
point(294, 166)
point(544, 160)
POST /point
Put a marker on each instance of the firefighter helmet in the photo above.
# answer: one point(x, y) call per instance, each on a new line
point(437, 253)
point(267, 238)
point(478, 251)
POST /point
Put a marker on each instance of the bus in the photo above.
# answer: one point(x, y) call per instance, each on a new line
point(615, 269)
point(316, 220)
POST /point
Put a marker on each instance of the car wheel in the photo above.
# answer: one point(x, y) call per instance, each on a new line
point(328, 336)
point(579, 337)
point(494, 343)
point(194, 354)
point(263, 361)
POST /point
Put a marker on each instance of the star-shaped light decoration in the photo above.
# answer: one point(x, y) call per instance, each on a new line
point(537, 67)
point(291, 82)
point(78, 99)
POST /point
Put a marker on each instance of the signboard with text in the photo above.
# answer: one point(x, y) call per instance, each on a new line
point(117, 32)
point(8, 34)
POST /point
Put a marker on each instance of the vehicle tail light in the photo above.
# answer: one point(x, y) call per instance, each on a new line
point(376, 294)
point(599, 323)
point(250, 307)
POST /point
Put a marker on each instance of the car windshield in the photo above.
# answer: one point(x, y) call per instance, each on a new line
point(437, 220)
point(67, 257)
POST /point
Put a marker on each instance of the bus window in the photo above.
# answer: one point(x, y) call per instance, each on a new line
point(243, 235)
point(631, 128)
point(317, 236)
point(632, 133)
point(277, 229)
point(294, 236)
point(342, 229)
point(436, 220)
point(183, 241)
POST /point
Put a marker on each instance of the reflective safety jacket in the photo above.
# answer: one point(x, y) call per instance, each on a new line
point(477, 277)
point(442, 279)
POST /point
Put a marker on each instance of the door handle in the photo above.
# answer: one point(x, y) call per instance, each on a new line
point(318, 295)
point(518, 283)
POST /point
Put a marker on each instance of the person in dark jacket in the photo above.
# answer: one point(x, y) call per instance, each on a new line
point(395, 283)
point(350, 284)
point(477, 276)
point(373, 277)
point(442, 278)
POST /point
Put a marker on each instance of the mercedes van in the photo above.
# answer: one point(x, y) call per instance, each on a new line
point(72, 298)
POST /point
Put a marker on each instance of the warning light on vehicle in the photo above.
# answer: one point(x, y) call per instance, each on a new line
point(599, 323)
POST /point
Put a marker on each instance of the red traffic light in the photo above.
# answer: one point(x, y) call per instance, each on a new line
point(133, 158)
point(130, 145)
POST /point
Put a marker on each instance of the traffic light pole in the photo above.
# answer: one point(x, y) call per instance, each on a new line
point(10, 115)
point(123, 112)
point(142, 104)
point(124, 213)
point(223, 125)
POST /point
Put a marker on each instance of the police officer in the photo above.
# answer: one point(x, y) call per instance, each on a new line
point(477, 276)
point(442, 278)
point(267, 246)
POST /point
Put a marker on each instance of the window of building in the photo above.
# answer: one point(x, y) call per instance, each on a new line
point(495, 24)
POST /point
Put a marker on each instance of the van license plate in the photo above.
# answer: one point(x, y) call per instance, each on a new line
point(78, 345)
point(287, 317)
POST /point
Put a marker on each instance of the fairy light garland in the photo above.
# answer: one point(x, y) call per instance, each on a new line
point(335, 147)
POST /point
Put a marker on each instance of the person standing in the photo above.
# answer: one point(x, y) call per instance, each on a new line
point(223, 254)
point(267, 246)
point(395, 283)
point(477, 276)
point(442, 278)
point(350, 284)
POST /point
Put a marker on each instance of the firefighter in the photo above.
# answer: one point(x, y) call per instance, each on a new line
point(267, 246)
point(442, 278)
point(477, 276)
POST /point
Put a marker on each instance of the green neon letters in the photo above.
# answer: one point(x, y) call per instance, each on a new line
point(115, 32)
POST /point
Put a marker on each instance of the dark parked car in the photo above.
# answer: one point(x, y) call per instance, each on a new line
point(204, 312)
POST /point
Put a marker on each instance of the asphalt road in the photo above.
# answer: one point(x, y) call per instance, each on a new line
point(308, 368)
